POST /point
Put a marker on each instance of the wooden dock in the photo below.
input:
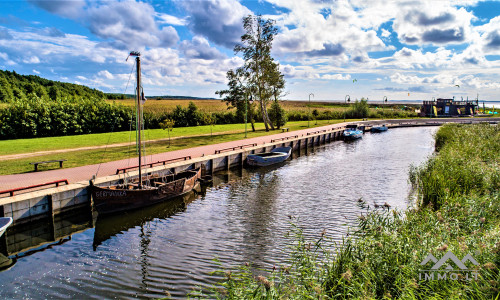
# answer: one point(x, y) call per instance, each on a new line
point(50, 202)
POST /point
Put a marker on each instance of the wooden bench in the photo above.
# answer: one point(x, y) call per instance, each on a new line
point(48, 162)
point(283, 129)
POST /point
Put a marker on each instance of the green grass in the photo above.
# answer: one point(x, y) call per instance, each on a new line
point(381, 258)
point(87, 157)
point(99, 139)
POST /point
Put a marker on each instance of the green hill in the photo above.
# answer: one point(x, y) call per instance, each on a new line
point(14, 87)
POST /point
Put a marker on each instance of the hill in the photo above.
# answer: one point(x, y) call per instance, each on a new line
point(14, 87)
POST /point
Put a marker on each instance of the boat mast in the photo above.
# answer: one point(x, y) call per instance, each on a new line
point(139, 115)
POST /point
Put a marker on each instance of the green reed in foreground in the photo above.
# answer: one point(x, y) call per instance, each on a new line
point(381, 259)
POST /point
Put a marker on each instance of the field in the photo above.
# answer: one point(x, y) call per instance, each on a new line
point(291, 107)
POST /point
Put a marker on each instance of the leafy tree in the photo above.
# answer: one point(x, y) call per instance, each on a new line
point(209, 119)
point(179, 116)
point(260, 75)
point(277, 114)
point(168, 124)
point(192, 115)
point(360, 108)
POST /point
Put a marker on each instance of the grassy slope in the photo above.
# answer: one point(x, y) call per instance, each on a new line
point(383, 260)
point(86, 157)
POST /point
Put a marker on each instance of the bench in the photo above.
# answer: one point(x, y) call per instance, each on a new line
point(48, 162)
point(285, 129)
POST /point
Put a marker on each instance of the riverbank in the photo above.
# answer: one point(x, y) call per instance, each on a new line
point(457, 213)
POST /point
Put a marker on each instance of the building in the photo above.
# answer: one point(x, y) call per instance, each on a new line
point(449, 107)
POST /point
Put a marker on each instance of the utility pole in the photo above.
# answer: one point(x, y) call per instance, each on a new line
point(309, 113)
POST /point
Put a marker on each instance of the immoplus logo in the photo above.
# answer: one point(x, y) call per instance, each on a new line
point(442, 270)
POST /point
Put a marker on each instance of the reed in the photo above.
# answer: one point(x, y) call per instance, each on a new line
point(381, 257)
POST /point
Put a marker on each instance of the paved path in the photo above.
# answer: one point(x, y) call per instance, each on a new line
point(86, 172)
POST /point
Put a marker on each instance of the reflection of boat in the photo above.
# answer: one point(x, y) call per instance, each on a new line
point(4, 223)
point(379, 128)
point(276, 155)
point(352, 132)
point(111, 225)
point(142, 192)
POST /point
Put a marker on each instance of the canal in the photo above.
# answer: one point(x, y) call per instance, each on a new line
point(243, 217)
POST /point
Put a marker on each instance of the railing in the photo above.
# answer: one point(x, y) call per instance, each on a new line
point(234, 148)
point(11, 191)
point(164, 162)
point(284, 138)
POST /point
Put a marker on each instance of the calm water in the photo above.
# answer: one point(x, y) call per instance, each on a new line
point(243, 218)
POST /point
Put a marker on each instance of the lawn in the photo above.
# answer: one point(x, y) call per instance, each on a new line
point(191, 138)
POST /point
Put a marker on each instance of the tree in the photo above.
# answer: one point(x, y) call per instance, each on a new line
point(169, 125)
point(277, 114)
point(209, 119)
point(259, 76)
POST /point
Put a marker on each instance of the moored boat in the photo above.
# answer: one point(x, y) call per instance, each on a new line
point(352, 132)
point(276, 155)
point(141, 191)
point(127, 196)
point(379, 128)
point(4, 223)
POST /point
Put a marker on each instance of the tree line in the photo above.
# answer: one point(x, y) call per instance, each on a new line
point(15, 87)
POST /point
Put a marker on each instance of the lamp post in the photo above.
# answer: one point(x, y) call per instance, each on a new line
point(246, 111)
point(309, 114)
point(347, 98)
point(383, 106)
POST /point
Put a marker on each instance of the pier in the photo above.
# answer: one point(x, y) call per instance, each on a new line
point(50, 202)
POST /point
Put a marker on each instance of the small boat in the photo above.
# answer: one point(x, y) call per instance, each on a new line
point(127, 196)
point(379, 128)
point(352, 132)
point(276, 155)
point(4, 223)
point(142, 192)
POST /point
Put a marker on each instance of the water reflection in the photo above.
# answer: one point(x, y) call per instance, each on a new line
point(243, 217)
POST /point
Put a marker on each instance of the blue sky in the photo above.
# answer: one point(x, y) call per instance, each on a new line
point(404, 50)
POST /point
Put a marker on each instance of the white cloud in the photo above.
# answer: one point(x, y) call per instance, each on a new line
point(220, 21)
point(106, 74)
point(31, 60)
point(171, 20)
point(336, 77)
point(35, 71)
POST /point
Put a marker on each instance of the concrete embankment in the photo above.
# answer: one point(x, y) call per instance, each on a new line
point(214, 158)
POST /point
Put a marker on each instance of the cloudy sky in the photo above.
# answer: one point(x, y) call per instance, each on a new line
point(405, 50)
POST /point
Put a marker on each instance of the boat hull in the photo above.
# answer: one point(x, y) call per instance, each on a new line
point(379, 128)
point(108, 200)
point(353, 135)
point(276, 156)
point(4, 223)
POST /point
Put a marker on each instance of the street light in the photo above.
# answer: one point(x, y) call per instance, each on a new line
point(309, 114)
point(347, 98)
point(383, 106)
point(246, 111)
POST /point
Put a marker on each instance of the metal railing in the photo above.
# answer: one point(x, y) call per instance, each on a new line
point(11, 191)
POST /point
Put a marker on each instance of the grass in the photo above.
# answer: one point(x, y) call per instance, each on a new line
point(99, 139)
point(87, 157)
point(381, 258)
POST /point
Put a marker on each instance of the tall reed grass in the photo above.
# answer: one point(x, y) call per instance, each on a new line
point(459, 212)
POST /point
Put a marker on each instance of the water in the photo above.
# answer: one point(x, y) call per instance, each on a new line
point(243, 218)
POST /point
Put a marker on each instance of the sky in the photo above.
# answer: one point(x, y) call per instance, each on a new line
point(402, 50)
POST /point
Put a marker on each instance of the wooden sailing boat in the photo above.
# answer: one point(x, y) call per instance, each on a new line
point(142, 192)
